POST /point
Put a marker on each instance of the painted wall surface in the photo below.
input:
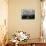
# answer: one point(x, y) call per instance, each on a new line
point(31, 26)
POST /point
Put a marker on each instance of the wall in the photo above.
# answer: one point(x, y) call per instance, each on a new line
point(44, 19)
point(15, 21)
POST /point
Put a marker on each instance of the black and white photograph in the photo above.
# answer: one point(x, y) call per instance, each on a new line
point(28, 14)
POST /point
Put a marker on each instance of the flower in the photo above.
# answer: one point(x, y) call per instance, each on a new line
point(21, 36)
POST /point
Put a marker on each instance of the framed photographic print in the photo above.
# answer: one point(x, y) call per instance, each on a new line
point(28, 14)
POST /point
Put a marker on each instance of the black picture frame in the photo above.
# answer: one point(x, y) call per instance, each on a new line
point(28, 14)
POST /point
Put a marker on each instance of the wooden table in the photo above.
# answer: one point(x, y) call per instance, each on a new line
point(29, 44)
point(33, 42)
